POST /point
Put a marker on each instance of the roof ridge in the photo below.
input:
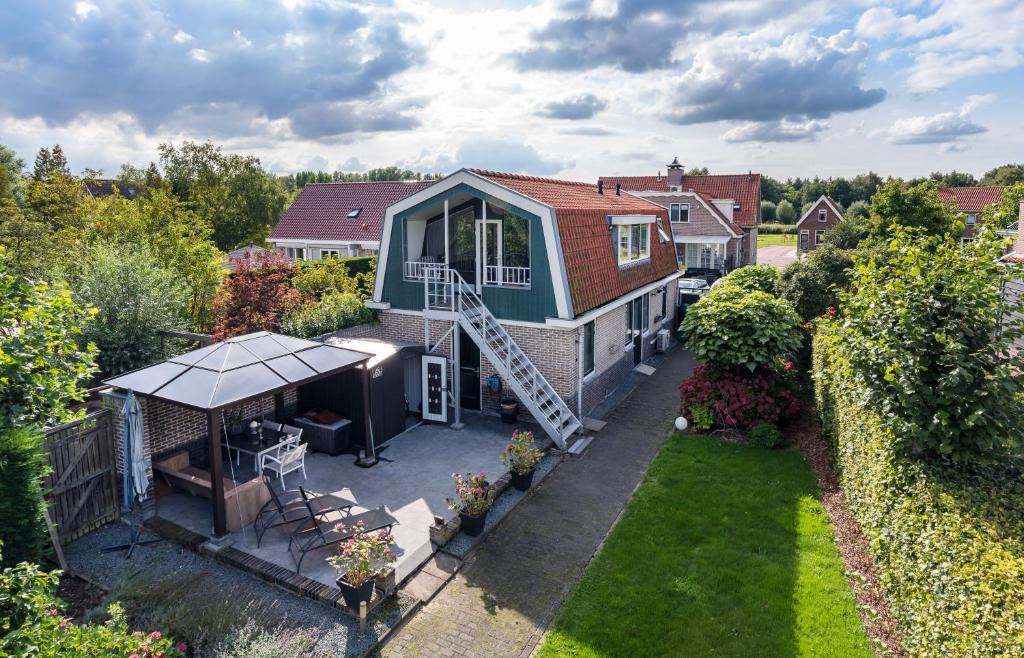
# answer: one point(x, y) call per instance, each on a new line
point(368, 182)
point(526, 177)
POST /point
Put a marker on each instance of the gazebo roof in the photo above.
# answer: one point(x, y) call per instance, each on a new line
point(238, 369)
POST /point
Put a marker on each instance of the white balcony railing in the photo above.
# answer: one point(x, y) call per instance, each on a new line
point(496, 275)
point(414, 269)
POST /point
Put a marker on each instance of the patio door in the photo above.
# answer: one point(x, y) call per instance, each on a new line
point(435, 388)
point(489, 251)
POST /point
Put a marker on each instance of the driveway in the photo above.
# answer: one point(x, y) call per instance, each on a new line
point(777, 255)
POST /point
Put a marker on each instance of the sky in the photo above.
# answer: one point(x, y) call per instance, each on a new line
point(565, 88)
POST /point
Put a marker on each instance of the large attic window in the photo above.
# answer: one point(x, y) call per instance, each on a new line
point(352, 214)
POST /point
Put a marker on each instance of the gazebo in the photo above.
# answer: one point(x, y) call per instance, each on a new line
point(217, 377)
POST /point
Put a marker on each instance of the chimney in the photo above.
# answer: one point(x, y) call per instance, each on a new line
point(1018, 246)
point(600, 186)
point(675, 175)
point(618, 189)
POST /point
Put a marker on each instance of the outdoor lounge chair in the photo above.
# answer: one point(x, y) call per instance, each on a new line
point(319, 532)
point(285, 507)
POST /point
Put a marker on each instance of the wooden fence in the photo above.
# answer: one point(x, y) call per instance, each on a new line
point(82, 484)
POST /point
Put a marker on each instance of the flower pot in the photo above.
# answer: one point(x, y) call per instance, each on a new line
point(236, 429)
point(473, 525)
point(509, 411)
point(523, 482)
point(354, 595)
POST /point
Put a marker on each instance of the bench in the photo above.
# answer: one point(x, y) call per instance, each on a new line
point(243, 499)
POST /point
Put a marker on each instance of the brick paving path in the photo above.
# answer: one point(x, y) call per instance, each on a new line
point(505, 596)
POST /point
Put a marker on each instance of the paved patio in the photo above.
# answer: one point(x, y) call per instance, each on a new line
point(411, 481)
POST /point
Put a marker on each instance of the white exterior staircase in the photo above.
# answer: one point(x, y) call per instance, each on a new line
point(446, 290)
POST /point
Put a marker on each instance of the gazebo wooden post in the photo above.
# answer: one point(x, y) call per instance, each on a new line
point(220, 526)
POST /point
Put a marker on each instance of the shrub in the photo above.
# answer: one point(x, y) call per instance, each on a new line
point(813, 284)
point(926, 341)
point(738, 400)
point(43, 362)
point(948, 540)
point(767, 212)
point(847, 233)
point(776, 228)
point(135, 298)
point(751, 278)
point(22, 468)
point(765, 435)
point(337, 310)
point(701, 417)
point(31, 623)
point(318, 278)
point(785, 212)
point(256, 297)
point(919, 206)
point(737, 329)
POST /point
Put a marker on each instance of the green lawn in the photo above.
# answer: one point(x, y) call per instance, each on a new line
point(764, 240)
point(724, 551)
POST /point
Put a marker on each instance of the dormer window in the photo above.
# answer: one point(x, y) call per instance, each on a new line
point(679, 213)
point(735, 207)
point(972, 218)
point(352, 214)
point(633, 242)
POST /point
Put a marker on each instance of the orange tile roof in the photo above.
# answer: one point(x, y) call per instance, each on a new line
point(591, 265)
point(971, 199)
point(742, 188)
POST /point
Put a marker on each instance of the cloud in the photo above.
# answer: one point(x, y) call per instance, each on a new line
point(332, 119)
point(804, 77)
point(584, 106)
point(776, 131)
point(157, 61)
point(951, 40)
point(636, 35)
point(953, 147)
point(589, 131)
point(942, 128)
point(494, 154)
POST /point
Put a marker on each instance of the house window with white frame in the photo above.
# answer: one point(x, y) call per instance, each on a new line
point(818, 235)
point(295, 253)
point(972, 218)
point(588, 348)
point(822, 215)
point(634, 243)
point(679, 213)
point(330, 253)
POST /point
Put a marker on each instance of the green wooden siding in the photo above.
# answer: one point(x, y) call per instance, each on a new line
point(534, 304)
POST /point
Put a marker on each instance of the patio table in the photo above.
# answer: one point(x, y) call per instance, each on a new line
point(265, 442)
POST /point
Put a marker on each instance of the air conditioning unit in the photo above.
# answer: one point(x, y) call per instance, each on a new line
point(661, 342)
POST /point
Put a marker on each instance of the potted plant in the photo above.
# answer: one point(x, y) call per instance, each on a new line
point(509, 410)
point(361, 558)
point(475, 495)
point(521, 457)
point(235, 422)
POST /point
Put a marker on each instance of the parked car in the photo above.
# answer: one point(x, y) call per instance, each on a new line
point(690, 292)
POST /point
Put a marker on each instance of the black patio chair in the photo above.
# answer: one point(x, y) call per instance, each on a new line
point(317, 532)
point(288, 506)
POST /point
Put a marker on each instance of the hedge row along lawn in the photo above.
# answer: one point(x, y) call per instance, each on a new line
point(725, 550)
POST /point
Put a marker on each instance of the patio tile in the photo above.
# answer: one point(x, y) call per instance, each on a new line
point(424, 586)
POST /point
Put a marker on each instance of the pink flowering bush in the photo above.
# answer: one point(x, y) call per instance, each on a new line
point(740, 401)
point(364, 555)
point(475, 495)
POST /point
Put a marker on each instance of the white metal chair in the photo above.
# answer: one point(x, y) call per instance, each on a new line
point(290, 457)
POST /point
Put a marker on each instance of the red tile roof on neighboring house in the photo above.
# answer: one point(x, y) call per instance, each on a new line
point(581, 213)
point(971, 199)
point(744, 189)
point(320, 212)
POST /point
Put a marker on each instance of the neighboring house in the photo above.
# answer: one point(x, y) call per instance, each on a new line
point(338, 219)
point(555, 289)
point(971, 201)
point(714, 218)
point(1016, 251)
point(99, 188)
point(823, 214)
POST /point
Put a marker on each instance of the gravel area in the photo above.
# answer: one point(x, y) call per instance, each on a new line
point(804, 432)
point(338, 634)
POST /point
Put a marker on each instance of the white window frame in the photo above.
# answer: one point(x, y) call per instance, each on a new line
point(624, 240)
point(645, 314)
point(590, 348)
point(818, 235)
point(807, 244)
point(822, 215)
point(964, 241)
point(972, 218)
point(330, 253)
point(678, 208)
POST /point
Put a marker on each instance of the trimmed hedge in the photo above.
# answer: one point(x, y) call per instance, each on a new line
point(949, 542)
point(776, 228)
point(22, 468)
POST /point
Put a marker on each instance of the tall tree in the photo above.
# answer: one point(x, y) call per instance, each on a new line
point(256, 297)
point(1007, 174)
point(233, 192)
point(13, 173)
point(917, 206)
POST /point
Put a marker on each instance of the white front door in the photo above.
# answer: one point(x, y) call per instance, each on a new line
point(435, 388)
